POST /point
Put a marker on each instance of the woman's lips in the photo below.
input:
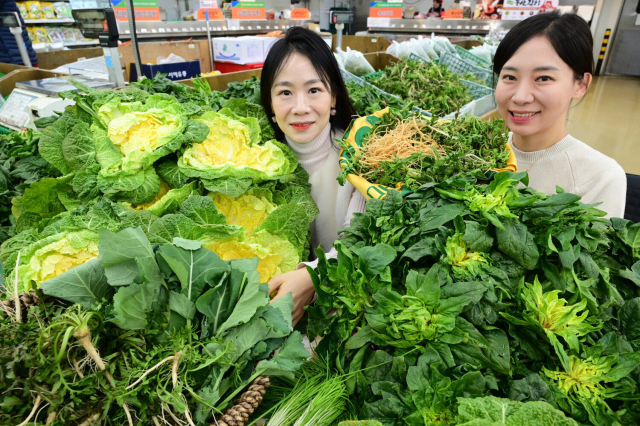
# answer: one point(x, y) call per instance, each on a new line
point(522, 116)
point(301, 126)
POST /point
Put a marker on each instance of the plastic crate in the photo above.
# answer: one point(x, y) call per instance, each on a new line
point(468, 56)
point(4, 130)
point(461, 66)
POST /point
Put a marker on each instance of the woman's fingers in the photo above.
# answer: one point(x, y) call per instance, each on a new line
point(275, 283)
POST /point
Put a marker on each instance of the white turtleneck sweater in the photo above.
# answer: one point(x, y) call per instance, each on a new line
point(337, 203)
point(577, 168)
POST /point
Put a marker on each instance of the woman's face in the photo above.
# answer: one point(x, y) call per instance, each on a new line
point(535, 89)
point(300, 101)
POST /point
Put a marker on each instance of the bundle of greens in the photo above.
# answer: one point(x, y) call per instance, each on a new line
point(429, 86)
point(462, 290)
point(167, 333)
point(20, 166)
point(367, 101)
point(405, 148)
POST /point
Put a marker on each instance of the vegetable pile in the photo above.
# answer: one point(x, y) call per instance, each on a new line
point(160, 334)
point(462, 290)
point(429, 86)
point(20, 166)
point(141, 157)
point(405, 148)
point(367, 101)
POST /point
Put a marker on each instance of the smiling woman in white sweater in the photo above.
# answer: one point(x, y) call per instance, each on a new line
point(543, 64)
point(306, 98)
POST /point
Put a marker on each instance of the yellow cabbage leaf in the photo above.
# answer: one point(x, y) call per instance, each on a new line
point(248, 210)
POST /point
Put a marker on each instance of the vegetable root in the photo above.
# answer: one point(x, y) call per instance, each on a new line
point(33, 411)
point(174, 368)
point(158, 365)
point(239, 414)
point(15, 291)
point(51, 417)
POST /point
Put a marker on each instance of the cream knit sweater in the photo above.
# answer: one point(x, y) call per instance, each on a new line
point(577, 168)
point(337, 203)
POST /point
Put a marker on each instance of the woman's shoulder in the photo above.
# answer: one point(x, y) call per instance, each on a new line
point(591, 163)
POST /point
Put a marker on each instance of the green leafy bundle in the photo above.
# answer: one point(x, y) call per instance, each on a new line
point(181, 332)
point(20, 166)
point(367, 101)
point(425, 150)
point(462, 290)
point(429, 86)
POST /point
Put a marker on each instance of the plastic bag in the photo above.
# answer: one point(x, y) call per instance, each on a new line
point(171, 59)
point(356, 63)
point(340, 54)
point(482, 52)
point(393, 49)
point(416, 47)
point(442, 45)
point(47, 10)
point(427, 46)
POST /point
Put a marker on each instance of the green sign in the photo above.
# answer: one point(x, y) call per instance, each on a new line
point(136, 3)
point(386, 5)
point(248, 4)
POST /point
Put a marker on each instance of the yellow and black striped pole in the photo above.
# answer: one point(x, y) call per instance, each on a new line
point(603, 49)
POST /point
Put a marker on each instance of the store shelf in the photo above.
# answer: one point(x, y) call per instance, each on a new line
point(170, 29)
point(447, 26)
point(49, 21)
point(82, 43)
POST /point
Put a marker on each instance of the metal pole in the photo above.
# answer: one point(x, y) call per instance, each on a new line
point(134, 38)
point(339, 28)
point(17, 33)
point(209, 38)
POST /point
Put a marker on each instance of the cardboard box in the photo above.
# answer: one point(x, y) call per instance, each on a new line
point(176, 71)
point(380, 60)
point(239, 50)
point(53, 60)
point(197, 50)
point(267, 42)
point(363, 44)
point(220, 82)
point(9, 68)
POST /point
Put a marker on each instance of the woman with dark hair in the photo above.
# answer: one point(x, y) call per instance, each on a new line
point(437, 10)
point(304, 94)
point(543, 64)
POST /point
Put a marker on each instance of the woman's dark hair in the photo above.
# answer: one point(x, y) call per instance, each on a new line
point(310, 44)
point(569, 35)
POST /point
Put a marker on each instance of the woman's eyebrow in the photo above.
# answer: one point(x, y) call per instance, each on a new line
point(289, 84)
point(545, 68)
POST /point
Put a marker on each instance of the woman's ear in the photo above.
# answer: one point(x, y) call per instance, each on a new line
point(582, 85)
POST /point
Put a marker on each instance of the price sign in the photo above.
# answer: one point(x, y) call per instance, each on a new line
point(248, 11)
point(392, 10)
point(215, 14)
point(300, 14)
point(144, 10)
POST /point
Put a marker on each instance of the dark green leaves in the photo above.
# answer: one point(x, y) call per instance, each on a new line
point(517, 242)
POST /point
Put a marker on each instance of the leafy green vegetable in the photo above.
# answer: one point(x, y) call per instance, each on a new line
point(492, 411)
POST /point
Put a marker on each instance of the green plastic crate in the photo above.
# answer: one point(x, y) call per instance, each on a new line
point(461, 66)
point(468, 56)
point(4, 130)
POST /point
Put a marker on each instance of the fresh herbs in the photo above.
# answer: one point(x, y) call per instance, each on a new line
point(366, 100)
point(173, 330)
point(403, 148)
point(429, 86)
point(449, 302)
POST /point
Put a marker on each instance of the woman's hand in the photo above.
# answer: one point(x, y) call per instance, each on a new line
point(299, 284)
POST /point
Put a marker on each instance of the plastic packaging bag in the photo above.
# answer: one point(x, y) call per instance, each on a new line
point(483, 52)
point(442, 45)
point(171, 59)
point(47, 10)
point(427, 46)
point(355, 63)
point(33, 7)
point(23, 10)
point(416, 48)
point(340, 55)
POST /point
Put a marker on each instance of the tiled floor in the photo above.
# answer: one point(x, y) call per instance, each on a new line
point(608, 119)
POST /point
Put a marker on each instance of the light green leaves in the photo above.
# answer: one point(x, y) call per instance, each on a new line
point(85, 284)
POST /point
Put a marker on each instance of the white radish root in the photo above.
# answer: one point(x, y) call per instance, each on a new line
point(16, 294)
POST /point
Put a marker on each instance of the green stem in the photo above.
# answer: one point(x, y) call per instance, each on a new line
point(63, 347)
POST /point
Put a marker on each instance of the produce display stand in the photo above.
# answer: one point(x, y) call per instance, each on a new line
point(220, 82)
point(8, 82)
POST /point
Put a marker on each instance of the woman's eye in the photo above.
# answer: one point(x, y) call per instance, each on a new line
point(285, 93)
point(545, 78)
point(508, 77)
point(314, 90)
